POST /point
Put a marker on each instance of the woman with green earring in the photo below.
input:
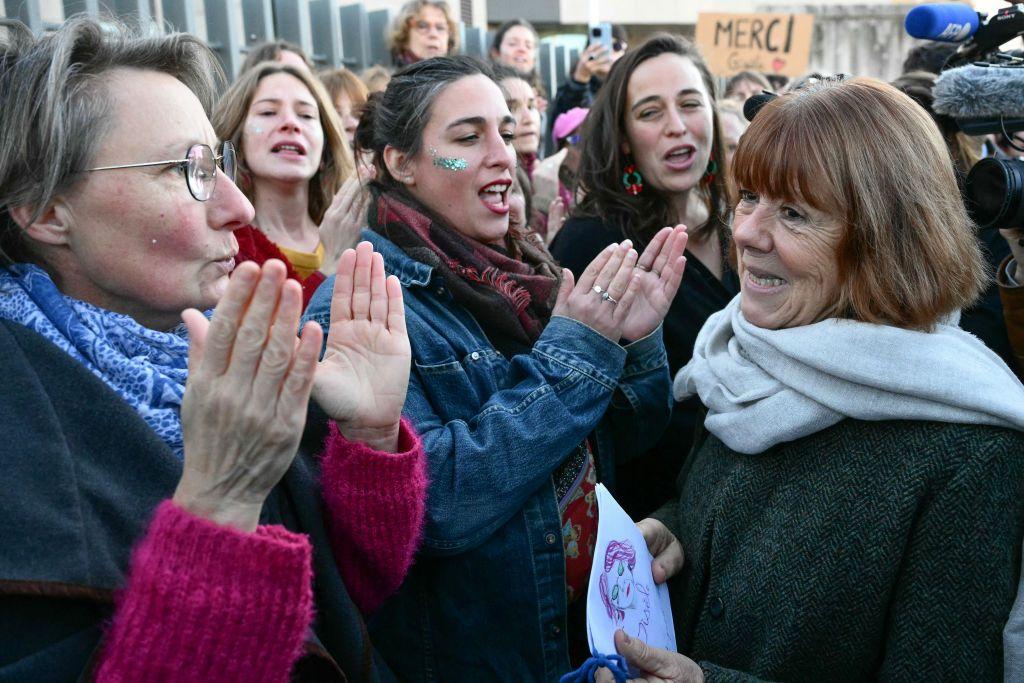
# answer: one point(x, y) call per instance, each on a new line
point(651, 157)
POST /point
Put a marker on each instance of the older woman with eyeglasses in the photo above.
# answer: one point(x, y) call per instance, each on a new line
point(423, 29)
point(158, 460)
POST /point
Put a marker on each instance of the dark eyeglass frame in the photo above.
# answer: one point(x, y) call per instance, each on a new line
point(200, 187)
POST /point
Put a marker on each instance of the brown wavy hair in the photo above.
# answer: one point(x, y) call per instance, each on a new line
point(867, 154)
point(602, 158)
point(336, 164)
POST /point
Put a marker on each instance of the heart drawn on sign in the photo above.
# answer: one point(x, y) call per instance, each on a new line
point(778, 63)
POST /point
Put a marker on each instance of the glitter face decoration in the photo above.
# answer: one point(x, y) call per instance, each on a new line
point(448, 163)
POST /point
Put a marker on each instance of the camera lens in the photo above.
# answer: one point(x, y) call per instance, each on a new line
point(995, 193)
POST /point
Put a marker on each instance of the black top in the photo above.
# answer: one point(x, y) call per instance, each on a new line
point(646, 483)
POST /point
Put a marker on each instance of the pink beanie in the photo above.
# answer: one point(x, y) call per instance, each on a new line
point(567, 122)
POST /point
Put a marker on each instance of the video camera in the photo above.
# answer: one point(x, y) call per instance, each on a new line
point(982, 90)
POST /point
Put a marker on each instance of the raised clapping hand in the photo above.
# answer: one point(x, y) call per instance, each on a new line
point(605, 293)
point(556, 219)
point(245, 400)
point(660, 271)
point(364, 375)
point(342, 221)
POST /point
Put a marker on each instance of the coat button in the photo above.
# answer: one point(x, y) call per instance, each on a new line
point(716, 607)
point(475, 355)
point(556, 630)
point(550, 539)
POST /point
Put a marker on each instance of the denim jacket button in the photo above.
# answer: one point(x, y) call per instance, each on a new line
point(475, 355)
point(550, 539)
point(556, 629)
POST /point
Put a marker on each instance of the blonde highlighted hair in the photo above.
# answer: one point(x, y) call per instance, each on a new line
point(864, 152)
point(336, 164)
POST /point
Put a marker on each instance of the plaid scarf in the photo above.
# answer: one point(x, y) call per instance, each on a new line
point(511, 298)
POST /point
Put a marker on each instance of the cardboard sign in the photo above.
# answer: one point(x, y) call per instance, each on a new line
point(769, 43)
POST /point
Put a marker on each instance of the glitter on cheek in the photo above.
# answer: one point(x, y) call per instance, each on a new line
point(448, 163)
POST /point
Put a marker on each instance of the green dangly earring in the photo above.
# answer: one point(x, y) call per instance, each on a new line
point(709, 174)
point(632, 180)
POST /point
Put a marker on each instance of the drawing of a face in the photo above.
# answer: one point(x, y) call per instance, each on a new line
point(623, 590)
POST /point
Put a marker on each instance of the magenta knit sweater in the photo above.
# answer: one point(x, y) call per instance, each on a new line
point(224, 605)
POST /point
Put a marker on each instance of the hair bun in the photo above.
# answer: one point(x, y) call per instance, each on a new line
point(363, 138)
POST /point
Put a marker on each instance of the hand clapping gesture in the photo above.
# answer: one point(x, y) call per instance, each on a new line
point(660, 271)
point(604, 295)
point(342, 221)
point(364, 375)
point(245, 399)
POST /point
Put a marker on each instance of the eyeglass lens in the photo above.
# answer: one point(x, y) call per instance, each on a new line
point(201, 169)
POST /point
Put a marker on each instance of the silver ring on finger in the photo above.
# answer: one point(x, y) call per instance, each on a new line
point(646, 269)
point(598, 290)
point(605, 296)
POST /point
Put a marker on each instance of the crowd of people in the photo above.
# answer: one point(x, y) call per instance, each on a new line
point(314, 377)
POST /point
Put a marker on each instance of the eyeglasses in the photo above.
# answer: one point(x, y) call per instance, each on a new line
point(200, 166)
point(425, 26)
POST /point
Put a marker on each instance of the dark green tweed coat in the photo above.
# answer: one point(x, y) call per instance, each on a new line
point(870, 550)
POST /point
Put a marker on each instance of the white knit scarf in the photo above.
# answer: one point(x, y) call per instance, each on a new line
point(764, 387)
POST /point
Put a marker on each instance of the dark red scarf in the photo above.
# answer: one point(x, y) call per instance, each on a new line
point(511, 298)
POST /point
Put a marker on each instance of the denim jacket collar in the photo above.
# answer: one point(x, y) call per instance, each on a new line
point(396, 262)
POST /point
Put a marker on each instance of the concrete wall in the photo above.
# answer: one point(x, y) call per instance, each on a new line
point(863, 40)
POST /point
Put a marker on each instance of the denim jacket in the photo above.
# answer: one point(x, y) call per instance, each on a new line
point(486, 599)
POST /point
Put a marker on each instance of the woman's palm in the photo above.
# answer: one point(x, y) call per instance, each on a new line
point(364, 374)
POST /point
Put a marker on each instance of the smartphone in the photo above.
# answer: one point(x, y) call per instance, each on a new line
point(602, 33)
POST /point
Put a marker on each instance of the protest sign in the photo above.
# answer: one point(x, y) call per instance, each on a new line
point(769, 43)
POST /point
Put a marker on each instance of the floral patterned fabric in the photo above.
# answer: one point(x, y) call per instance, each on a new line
point(577, 502)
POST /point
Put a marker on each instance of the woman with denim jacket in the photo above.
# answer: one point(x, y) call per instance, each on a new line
point(525, 386)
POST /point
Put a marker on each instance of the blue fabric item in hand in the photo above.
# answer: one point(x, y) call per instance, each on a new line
point(616, 664)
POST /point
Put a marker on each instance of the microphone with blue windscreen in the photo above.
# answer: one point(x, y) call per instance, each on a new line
point(952, 22)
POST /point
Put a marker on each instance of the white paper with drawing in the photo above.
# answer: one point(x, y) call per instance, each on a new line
point(622, 592)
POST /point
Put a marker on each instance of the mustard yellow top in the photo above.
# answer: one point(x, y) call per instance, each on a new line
point(304, 263)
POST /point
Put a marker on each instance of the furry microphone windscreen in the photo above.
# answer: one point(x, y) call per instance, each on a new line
point(980, 92)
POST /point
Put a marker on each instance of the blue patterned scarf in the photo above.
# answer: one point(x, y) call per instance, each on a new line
point(145, 367)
